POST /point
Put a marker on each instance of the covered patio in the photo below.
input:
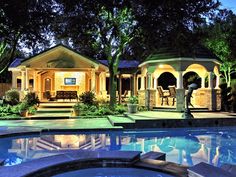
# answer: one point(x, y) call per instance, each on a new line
point(62, 74)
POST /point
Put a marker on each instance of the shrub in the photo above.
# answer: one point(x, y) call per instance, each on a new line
point(23, 106)
point(120, 109)
point(12, 97)
point(32, 110)
point(8, 111)
point(142, 108)
point(104, 110)
point(133, 100)
point(87, 98)
point(31, 99)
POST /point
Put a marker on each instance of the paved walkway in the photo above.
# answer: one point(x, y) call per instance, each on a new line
point(177, 115)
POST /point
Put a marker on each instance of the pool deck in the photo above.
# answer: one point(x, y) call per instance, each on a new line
point(147, 119)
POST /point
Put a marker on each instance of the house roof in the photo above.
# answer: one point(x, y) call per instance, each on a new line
point(61, 48)
point(16, 62)
point(123, 63)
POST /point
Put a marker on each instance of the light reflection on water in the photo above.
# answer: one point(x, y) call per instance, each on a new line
point(188, 147)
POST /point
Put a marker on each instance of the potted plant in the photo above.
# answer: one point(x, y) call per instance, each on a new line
point(77, 109)
point(23, 109)
point(133, 104)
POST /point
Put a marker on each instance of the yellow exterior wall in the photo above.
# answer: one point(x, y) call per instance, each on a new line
point(80, 81)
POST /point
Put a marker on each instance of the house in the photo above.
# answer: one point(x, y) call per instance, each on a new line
point(62, 68)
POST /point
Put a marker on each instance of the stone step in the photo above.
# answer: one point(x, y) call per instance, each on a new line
point(54, 110)
point(167, 109)
point(205, 170)
point(56, 105)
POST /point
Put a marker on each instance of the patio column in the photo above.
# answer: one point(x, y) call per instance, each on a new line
point(210, 80)
point(14, 79)
point(203, 79)
point(35, 81)
point(180, 80)
point(217, 81)
point(22, 80)
point(134, 85)
point(40, 86)
point(142, 83)
point(120, 87)
point(93, 80)
point(104, 82)
point(155, 83)
point(26, 79)
point(149, 81)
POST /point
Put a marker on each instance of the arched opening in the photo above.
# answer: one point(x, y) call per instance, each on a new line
point(166, 79)
point(191, 77)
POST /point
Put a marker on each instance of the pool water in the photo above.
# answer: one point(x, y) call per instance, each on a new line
point(113, 172)
point(183, 146)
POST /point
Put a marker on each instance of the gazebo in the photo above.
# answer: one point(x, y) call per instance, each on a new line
point(200, 61)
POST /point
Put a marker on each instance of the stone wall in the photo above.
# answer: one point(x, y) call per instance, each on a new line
point(141, 97)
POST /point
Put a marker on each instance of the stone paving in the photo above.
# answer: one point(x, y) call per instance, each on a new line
point(110, 122)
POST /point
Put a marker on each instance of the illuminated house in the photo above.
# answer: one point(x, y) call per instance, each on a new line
point(63, 69)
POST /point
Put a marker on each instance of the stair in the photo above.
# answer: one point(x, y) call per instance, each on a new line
point(53, 111)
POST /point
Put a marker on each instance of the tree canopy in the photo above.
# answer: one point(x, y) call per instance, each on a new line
point(221, 41)
point(24, 23)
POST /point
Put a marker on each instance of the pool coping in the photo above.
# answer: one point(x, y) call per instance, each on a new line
point(81, 159)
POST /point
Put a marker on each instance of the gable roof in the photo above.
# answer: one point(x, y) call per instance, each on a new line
point(52, 52)
point(58, 46)
point(16, 62)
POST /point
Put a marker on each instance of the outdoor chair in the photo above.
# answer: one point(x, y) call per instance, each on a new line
point(124, 96)
point(162, 95)
point(172, 95)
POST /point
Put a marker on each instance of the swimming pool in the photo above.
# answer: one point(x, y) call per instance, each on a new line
point(113, 172)
point(183, 146)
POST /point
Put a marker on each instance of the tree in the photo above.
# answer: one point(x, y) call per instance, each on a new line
point(24, 23)
point(221, 42)
point(116, 30)
point(175, 24)
point(109, 28)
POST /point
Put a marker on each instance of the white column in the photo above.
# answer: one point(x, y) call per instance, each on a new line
point(26, 79)
point(137, 83)
point(104, 82)
point(149, 80)
point(210, 80)
point(180, 80)
point(203, 81)
point(217, 81)
point(40, 86)
point(142, 83)
point(14, 79)
point(22, 80)
point(100, 83)
point(35, 81)
point(93, 81)
point(155, 83)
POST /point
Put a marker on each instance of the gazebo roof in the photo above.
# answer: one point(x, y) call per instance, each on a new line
point(167, 53)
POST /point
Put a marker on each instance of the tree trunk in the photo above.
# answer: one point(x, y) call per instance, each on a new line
point(112, 89)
